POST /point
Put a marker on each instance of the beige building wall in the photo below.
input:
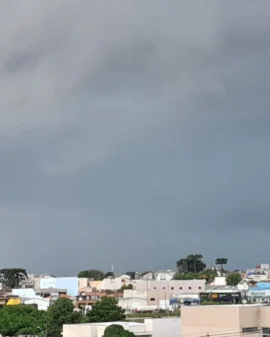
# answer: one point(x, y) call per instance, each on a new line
point(153, 297)
point(219, 319)
point(97, 329)
point(264, 320)
point(83, 283)
point(173, 287)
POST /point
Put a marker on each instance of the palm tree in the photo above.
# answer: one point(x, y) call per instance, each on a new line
point(221, 261)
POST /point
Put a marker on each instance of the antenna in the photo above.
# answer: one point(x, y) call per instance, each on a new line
point(112, 268)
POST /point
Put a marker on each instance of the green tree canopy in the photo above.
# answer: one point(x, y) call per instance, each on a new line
point(185, 276)
point(61, 312)
point(113, 330)
point(191, 264)
point(126, 333)
point(21, 319)
point(208, 275)
point(233, 279)
point(109, 274)
point(12, 277)
point(94, 274)
point(126, 287)
point(221, 261)
point(106, 310)
point(116, 330)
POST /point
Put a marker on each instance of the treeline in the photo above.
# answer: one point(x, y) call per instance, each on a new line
point(193, 267)
point(98, 275)
point(27, 320)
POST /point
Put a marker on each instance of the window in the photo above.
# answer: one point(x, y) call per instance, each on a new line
point(189, 288)
point(172, 288)
point(155, 287)
point(250, 329)
point(180, 288)
point(152, 299)
point(200, 287)
point(163, 288)
point(266, 332)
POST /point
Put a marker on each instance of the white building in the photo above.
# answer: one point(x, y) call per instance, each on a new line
point(47, 282)
point(41, 303)
point(113, 284)
point(29, 296)
point(24, 293)
point(69, 283)
point(97, 329)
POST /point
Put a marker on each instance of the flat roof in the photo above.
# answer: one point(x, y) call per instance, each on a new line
point(125, 323)
point(50, 290)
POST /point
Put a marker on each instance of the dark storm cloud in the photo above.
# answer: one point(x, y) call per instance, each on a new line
point(133, 133)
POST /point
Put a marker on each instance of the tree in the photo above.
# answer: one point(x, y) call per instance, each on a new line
point(21, 319)
point(109, 274)
point(126, 333)
point(61, 312)
point(12, 277)
point(106, 310)
point(233, 279)
point(96, 275)
point(126, 287)
point(208, 275)
point(221, 261)
point(113, 330)
point(184, 276)
point(116, 330)
point(191, 264)
point(131, 274)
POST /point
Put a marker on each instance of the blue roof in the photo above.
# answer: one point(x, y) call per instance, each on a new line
point(265, 285)
point(259, 288)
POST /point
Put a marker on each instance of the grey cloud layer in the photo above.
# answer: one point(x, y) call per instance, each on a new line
point(133, 132)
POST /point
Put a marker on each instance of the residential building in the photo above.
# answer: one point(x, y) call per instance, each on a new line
point(207, 320)
point(157, 296)
point(24, 293)
point(160, 293)
point(112, 284)
point(40, 303)
point(97, 329)
point(47, 282)
point(53, 293)
point(71, 284)
point(87, 299)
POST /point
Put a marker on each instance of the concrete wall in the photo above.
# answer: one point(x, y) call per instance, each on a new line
point(112, 284)
point(167, 327)
point(264, 319)
point(83, 282)
point(132, 303)
point(208, 319)
point(97, 329)
point(154, 297)
point(42, 304)
point(24, 293)
point(172, 287)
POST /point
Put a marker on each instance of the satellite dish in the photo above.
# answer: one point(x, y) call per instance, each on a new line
point(244, 301)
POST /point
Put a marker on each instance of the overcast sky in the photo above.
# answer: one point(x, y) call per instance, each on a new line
point(134, 132)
